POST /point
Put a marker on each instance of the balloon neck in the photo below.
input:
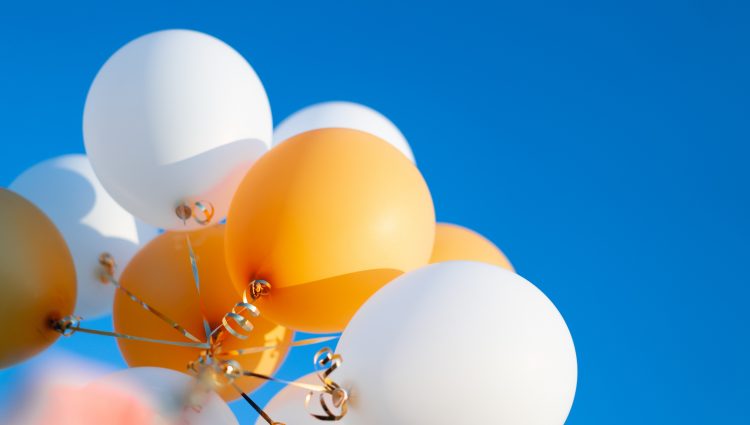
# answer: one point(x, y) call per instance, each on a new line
point(67, 325)
point(183, 212)
point(108, 267)
point(257, 288)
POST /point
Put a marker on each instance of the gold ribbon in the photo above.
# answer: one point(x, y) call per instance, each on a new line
point(243, 312)
point(257, 408)
point(107, 263)
point(327, 362)
point(302, 385)
point(215, 374)
point(69, 325)
point(254, 350)
point(207, 209)
point(197, 280)
point(185, 212)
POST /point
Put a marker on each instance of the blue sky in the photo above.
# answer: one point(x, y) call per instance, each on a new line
point(603, 147)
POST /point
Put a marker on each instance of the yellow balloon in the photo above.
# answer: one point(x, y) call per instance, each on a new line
point(454, 242)
point(37, 279)
point(162, 276)
point(327, 218)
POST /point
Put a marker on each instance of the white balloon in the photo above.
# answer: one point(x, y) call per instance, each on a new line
point(458, 343)
point(165, 392)
point(288, 406)
point(175, 117)
point(342, 115)
point(91, 222)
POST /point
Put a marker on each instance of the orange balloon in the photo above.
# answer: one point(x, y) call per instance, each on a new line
point(454, 242)
point(327, 218)
point(37, 279)
point(161, 275)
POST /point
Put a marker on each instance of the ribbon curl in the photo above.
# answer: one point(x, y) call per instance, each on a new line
point(327, 362)
point(185, 212)
point(243, 312)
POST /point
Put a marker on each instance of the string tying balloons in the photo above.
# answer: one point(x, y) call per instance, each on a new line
point(330, 231)
point(219, 363)
point(220, 372)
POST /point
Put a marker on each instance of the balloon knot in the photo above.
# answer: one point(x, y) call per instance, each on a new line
point(107, 262)
point(203, 215)
point(183, 212)
point(326, 362)
point(258, 288)
point(67, 326)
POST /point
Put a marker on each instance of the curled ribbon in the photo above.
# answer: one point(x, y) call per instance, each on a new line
point(185, 212)
point(241, 315)
point(207, 209)
point(243, 312)
point(327, 362)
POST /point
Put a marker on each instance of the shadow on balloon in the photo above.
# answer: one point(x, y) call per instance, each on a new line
point(73, 202)
point(158, 188)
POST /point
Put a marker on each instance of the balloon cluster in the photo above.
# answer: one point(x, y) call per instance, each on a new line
point(324, 225)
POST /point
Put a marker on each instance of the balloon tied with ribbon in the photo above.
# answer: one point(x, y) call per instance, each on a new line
point(202, 213)
point(257, 288)
point(67, 326)
point(108, 267)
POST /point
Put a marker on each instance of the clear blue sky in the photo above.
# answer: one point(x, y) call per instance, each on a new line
point(604, 148)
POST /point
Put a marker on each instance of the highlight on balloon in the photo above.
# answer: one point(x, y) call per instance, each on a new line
point(211, 238)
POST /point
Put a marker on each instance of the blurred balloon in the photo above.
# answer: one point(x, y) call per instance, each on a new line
point(37, 279)
point(46, 391)
point(175, 117)
point(161, 275)
point(288, 406)
point(162, 396)
point(458, 343)
point(454, 242)
point(327, 218)
point(91, 222)
point(342, 115)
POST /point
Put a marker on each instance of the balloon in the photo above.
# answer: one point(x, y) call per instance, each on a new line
point(288, 406)
point(162, 393)
point(327, 218)
point(454, 242)
point(161, 275)
point(91, 222)
point(37, 279)
point(175, 117)
point(342, 115)
point(458, 343)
